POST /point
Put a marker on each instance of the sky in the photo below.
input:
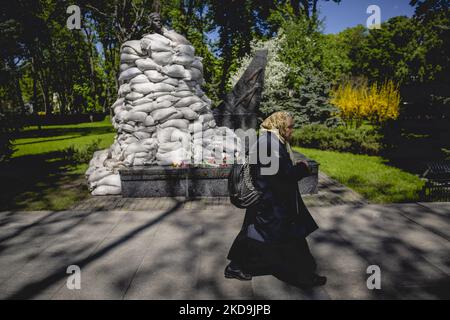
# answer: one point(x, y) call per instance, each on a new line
point(350, 13)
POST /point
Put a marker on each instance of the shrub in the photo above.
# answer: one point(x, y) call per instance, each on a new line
point(83, 155)
point(354, 140)
point(310, 104)
point(359, 101)
point(9, 124)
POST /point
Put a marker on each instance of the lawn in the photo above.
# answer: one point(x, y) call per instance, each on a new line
point(42, 174)
point(368, 175)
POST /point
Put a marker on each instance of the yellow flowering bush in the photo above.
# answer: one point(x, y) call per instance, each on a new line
point(359, 101)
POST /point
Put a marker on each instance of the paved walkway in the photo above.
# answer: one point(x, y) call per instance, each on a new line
point(171, 249)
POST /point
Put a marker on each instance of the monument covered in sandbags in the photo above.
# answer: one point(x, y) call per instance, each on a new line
point(162, 116)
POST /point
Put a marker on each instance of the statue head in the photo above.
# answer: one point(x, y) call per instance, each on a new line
point(155, 22)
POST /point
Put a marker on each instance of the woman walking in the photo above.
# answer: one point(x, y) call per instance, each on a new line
point(272, 238)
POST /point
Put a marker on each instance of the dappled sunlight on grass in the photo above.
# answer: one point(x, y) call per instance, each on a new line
point(40, 176)
point(368, 175)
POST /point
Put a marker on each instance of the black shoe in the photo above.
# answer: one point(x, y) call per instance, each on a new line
point(236, 274)
point(319, 280)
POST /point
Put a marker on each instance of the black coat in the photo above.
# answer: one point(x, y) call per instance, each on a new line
point(281, 215)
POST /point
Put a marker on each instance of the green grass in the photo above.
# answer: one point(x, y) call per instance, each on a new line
point(370, 176)
point(32, 141)
point(40, 175)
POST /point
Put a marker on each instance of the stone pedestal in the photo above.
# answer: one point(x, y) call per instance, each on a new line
point(157, 181)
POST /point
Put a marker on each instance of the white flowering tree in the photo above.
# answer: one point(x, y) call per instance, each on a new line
point(275, 74)
point(309, 102)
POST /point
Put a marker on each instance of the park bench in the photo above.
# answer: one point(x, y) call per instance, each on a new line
point(437, 185)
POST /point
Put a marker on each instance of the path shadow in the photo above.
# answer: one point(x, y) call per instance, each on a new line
point(28, 180)
point(36, 286)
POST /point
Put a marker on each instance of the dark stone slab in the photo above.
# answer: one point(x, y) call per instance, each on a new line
point(240, 107)
point(157, 181)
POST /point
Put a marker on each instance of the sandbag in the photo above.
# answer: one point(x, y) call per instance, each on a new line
point(118, 109)
point(143, 88)
point(193, 74)
point(166, 97)
point(143, 100)
point(106, 190)
point(147, 64)
point(174, 157)
point(207, 100)
point(146, 107)
point(149, 129)
point(134, 96)
point(162, 58)
point(149, 121)
point(135, 148)
point(129, 50)
point(154, 75)
point(111, 180)
point(124, 89)
point(197, 63)
point(162, 114)
point(122, 115)
point(98, 174)
point(127, 128)
point(185, 49)
point(129, 73)
point(128, 58)
point(171, 81)
point(181, 124)
point(169, 146)
point(118, 102)
point(111, 163)
point(195, 126)
point(162, 104)
point(163, 87)
point(133, 44)
point(135, 116)
point(182, 93)
point(182, 59)
point(175, 71)
point(142, 155)
point(164, 135)
point(158, 37)
point(154, 45)
point(198, 107)
point(160, 46)
point(176, 37)
point(188, 113)
point(125, 66)
point(178, 135)
point(130, 140)
point(177, 115)
point(141, 161)
point(187, 101)
point(183, 86)
point(139, 79)
point(206, 117)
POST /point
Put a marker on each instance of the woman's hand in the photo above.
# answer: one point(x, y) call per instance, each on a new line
point(302, 162)
point(304, 165)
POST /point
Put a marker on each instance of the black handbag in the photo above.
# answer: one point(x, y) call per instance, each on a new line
point(241, 188)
